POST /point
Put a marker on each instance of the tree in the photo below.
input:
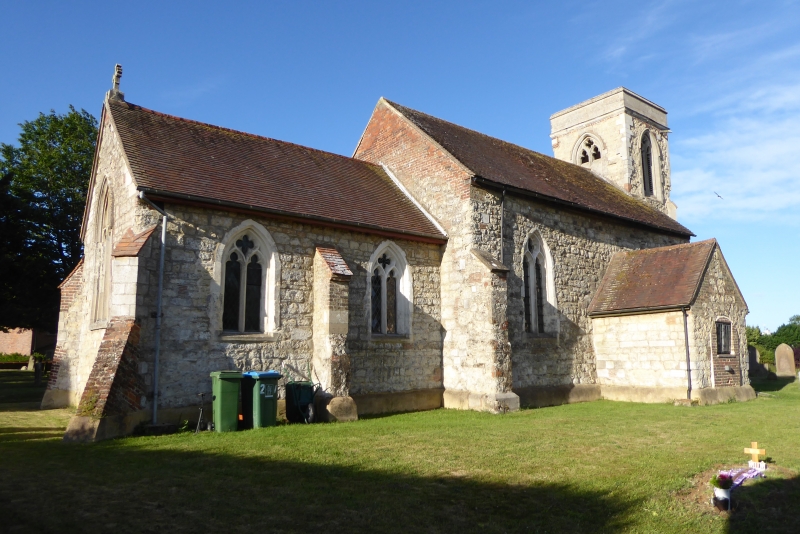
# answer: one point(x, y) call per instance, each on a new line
point(42, 195)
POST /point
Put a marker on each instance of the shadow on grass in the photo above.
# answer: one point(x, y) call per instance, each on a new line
point(18, 386)
point(17, 434)
point(132, 486)
point(762, 384)
point(768, 506)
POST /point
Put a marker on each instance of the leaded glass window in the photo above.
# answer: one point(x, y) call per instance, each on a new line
point(537, 309)
point(103, 245)
point(539, 298)
point(385, 296)
point(244, 288)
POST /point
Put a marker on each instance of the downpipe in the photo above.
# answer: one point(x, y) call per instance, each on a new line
point(164, 218)
point(688, 359)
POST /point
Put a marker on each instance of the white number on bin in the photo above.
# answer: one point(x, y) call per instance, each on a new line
point(267, 390)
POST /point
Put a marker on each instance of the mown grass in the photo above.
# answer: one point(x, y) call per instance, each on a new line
point(602, 466)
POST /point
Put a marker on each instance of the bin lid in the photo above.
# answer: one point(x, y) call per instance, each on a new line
point(263, 374)
point(227, 374)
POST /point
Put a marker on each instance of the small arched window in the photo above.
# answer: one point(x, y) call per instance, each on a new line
point(389, 292)
point(104, 240)
point(249, 280)
point(647, 165)
point(588, 152)
point(538, 288)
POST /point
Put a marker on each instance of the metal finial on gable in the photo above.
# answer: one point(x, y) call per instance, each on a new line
point(115, 93)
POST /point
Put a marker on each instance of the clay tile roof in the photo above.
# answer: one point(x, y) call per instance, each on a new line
point(335, 262)
point(130, 244)
point(655, 278)
point(511, 165)
point(179, 158)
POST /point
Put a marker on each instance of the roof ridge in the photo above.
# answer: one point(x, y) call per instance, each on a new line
point(671, 247)
point(239, 132)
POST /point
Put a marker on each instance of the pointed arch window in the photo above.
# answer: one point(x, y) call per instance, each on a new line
point(249, 271)
point(647, 164)
point(588, 151)
point(389, 292)
point(103, 243)
point(538, 295)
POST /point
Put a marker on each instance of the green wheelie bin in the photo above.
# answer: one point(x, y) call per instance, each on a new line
point(260, 398)
point(225, 387)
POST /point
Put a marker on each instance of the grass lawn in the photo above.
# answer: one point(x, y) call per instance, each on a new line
point(601, 466)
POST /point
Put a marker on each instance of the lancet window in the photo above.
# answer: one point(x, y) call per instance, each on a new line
point(647, 165)
point(104, 230)
point(589, 151)
point(390, 292)
point(245, 267)
point(538, 298)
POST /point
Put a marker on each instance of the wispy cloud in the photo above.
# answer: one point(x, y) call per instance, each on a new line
point(750, 160)
point(190, 93)
point(639, 29)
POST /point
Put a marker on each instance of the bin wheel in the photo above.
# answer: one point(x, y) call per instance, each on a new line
point(308, 413)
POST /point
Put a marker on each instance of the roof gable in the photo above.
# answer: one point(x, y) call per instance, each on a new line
point(183, 159)
point(653, 279)
point(516, 167)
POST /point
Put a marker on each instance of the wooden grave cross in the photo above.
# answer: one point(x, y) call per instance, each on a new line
point(754, 452)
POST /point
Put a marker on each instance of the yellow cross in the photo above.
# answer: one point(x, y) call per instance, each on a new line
point(754, 451)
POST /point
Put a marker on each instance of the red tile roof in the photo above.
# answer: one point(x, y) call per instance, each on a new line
point(511, 165)
point(130, 244)
point(655, 278)
point(179, 158)
point(334, 260)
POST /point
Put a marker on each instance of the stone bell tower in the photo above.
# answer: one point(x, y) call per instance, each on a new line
point(621, 137)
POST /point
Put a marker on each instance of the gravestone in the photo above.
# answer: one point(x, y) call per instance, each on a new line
point(756, 367)
point(784, 361)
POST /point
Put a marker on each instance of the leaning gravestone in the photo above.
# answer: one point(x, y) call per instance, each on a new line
point(784, 360)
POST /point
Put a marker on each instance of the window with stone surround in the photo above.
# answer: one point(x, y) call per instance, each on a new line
point(723, 336)
point(538, 294)
point(389, 291)
point(587, 151)
point(249, 281)
point(103, 243)
point(647, 165)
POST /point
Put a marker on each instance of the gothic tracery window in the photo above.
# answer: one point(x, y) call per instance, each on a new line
point(390, 292)
point(538, 303)
point(244, 287)
point(103, 245)
point(588, 152)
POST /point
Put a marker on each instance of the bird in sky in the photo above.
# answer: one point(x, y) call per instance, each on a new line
point(718, 195)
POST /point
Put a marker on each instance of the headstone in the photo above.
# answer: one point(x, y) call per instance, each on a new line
point(756, 367)
point(784, 361)
point(754, 453)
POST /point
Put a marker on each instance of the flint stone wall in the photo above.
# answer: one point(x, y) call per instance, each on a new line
point(581, 247)
point(78, 340)
point(191, 344)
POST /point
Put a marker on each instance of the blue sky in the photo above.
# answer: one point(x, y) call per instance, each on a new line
point(311, 72)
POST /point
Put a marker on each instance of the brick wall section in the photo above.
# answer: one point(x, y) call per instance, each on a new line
point(18, 340)
point(70, 289)
point(718, 298)
point(114, 386)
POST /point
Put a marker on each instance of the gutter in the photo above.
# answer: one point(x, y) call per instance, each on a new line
point(638, 311)
point(164, 217)
point(180, 198)
point(478, 180)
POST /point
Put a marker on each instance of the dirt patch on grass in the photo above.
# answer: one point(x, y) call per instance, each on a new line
point(768, 504)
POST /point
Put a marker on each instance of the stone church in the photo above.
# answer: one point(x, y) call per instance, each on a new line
point(436, 267)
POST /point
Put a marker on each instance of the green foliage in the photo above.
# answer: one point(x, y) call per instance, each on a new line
point(17, 357)
point(765, 355)
point(43, 184)
point(753, 335)
point(721, 481)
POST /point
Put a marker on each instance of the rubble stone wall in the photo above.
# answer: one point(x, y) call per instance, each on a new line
point(718, 298)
